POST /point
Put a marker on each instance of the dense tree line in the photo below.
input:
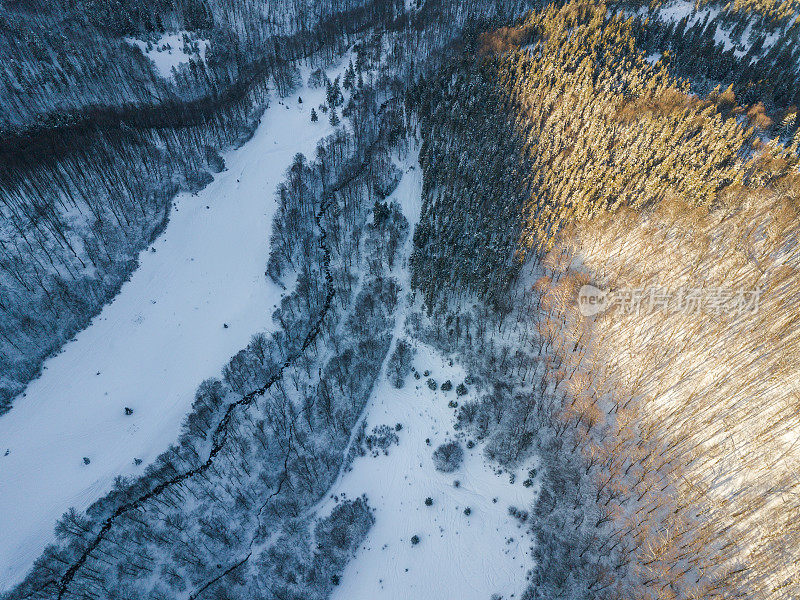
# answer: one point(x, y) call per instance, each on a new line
point(469, 154)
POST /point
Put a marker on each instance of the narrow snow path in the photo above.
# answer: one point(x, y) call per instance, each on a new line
point(149, 349)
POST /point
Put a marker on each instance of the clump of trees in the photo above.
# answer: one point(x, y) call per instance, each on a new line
point(297, 567)
point(400, 362)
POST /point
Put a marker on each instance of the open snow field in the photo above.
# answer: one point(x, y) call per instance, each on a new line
point(469, 557)
point(150, 348)
point(168, 52)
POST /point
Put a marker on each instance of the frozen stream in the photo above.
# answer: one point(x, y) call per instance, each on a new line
point(149, 349)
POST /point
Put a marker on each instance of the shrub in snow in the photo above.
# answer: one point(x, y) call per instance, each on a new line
point(381, 439)
point(447, 457)
point(86, 460)
point(432, 384)
point(468, 412)
point(461, 390)
point(128, 411)
point(414, 540)
point(519, 515)
point(214, 161)
point(468, 511)
point(447, 386)
point(399, 365)
point(428, 501)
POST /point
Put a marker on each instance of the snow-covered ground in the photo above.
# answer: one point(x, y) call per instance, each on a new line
point(675, 11)
point(469, 557)
point(458, 556)
point(150, 348)
point(170, 51)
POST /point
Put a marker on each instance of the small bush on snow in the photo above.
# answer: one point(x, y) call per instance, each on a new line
point(448, 457)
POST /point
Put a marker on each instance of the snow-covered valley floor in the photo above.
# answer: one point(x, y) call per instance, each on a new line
point(150, 348)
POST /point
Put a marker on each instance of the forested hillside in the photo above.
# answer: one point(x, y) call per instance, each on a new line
point(94, 145)
point(267, 442)
point(641, 157)
point(565, 126)
point(665, 433)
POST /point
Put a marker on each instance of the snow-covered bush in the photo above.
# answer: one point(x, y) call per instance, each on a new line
point(381, 439)
point(317, 79)
point(448, 457)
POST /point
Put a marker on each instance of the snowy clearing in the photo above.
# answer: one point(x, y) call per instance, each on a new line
point(476, 555)
point(171, 50)
point(163, 334)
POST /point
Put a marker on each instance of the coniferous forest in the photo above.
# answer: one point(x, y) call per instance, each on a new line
point(521, 319)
